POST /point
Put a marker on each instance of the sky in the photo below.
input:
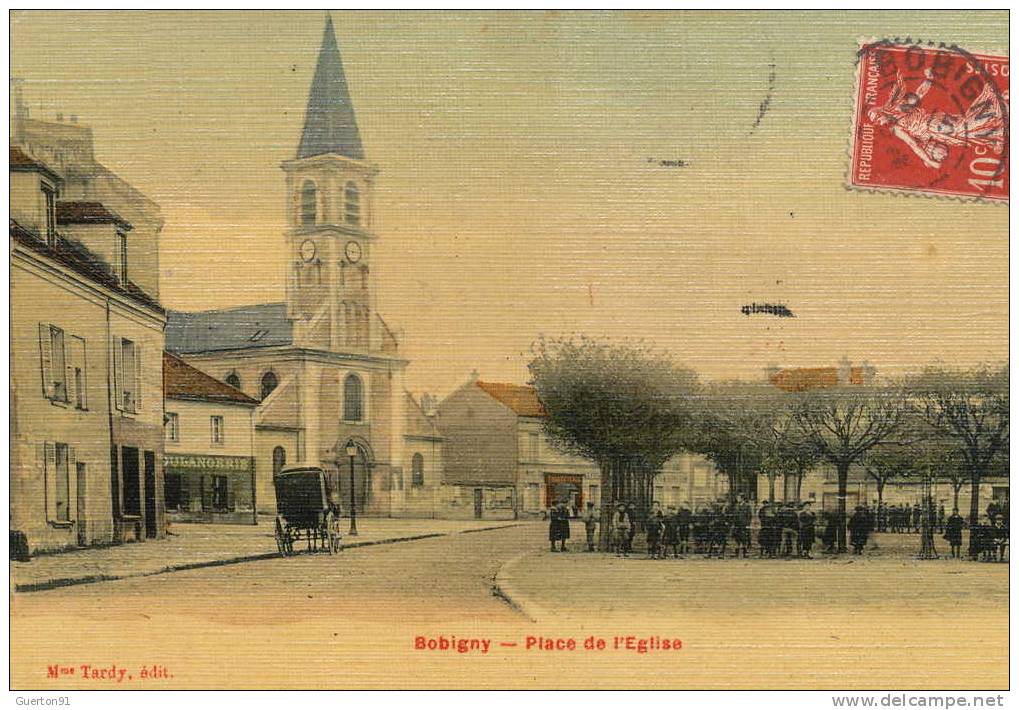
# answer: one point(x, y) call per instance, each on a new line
point(522, 189)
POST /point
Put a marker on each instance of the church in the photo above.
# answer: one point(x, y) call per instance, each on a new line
point(324, 366)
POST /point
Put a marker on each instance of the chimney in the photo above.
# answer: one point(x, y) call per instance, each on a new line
point(20, 112)
point(868, 372)
point(475, 375)
point(845, 369)
point(771, 371)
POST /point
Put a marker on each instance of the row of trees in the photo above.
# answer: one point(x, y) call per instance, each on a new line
point(630, 408)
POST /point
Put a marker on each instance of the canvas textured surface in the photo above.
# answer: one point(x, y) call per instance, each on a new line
point(485, 350)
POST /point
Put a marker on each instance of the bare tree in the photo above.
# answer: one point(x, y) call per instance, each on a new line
point(970, 409)
point(842, 425)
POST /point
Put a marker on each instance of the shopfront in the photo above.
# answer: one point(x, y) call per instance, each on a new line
point(210, 489)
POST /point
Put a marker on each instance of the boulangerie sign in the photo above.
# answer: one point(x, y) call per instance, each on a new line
point(509, 350)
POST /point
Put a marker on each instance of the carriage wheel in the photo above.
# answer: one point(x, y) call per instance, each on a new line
point(281, 543)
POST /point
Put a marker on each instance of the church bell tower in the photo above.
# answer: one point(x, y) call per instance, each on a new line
point(330, 187)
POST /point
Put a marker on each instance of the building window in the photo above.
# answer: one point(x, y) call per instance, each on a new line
point(220, 497)
point(54, 362)
point(59, 462)
point(128, 375)
point(353, 395)
point(352, 202)
point(592, 496)
point(172, 491)
point(309, 204)
point(172, 426)
point(417, 470)
point(234, 380)
point(122, 256)
point(50, 201)
point(216, 423)
point(79, 377)
point(279, 459)
point(269, 383)
point(534, 442)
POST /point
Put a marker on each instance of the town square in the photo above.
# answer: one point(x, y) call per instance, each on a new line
point(485, 350)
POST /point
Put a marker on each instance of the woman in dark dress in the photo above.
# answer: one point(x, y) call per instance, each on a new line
point(554, 526)
point(953, 532)
point(806, 540)
point(858, 530)
point(563, 526)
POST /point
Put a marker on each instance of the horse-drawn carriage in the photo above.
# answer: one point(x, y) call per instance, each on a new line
point(307, 509)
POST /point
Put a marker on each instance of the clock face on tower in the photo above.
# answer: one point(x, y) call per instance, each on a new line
point(307, 250)
point(352, 252)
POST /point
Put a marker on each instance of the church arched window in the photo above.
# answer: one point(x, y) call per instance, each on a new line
point(279, 459)
point(309, 204)
point(352, 204)
point(269, 383)
point(417, 470)
point(234, 380)
point(353, 398)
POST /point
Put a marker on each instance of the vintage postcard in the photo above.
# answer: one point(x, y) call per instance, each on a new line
point(510, 350)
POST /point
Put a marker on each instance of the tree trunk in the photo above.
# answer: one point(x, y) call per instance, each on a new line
point(880, 512)
point(608, 504)
point(840, 518)
point(974, 508)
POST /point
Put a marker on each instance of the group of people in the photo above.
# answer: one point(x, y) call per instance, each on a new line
point(788, 530)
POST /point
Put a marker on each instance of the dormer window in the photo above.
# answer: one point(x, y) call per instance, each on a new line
point(50, 201)
point(352, 202)
point(309, 204)
point(122, 256)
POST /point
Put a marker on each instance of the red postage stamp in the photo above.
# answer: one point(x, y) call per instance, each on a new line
point(930, 119)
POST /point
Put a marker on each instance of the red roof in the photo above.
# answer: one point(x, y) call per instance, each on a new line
point(87, 213)
point(522, 399)
point(20, 161)
point(181, 381)
point(801, 379)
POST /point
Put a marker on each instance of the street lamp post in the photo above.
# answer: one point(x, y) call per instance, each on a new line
point(352, 452)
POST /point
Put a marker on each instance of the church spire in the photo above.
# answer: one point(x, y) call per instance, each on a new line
point(329, 122)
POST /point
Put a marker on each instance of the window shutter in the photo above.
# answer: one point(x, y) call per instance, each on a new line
point(72, 483)
point(118, 391)
point(70, 360)
point(83, 364)
point(137, 377)
point(50, 479)
point(46, 360)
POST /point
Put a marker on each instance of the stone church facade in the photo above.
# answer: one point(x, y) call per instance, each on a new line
point(324, 365)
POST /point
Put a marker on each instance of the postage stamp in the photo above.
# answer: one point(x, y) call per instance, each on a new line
point(930, 119)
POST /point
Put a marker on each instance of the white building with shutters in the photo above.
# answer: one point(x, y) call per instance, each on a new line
point(86, 413)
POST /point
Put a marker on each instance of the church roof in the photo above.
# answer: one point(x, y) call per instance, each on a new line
point(182, 381)
point(259, 326)
point(329, 122)
point(522, 399)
